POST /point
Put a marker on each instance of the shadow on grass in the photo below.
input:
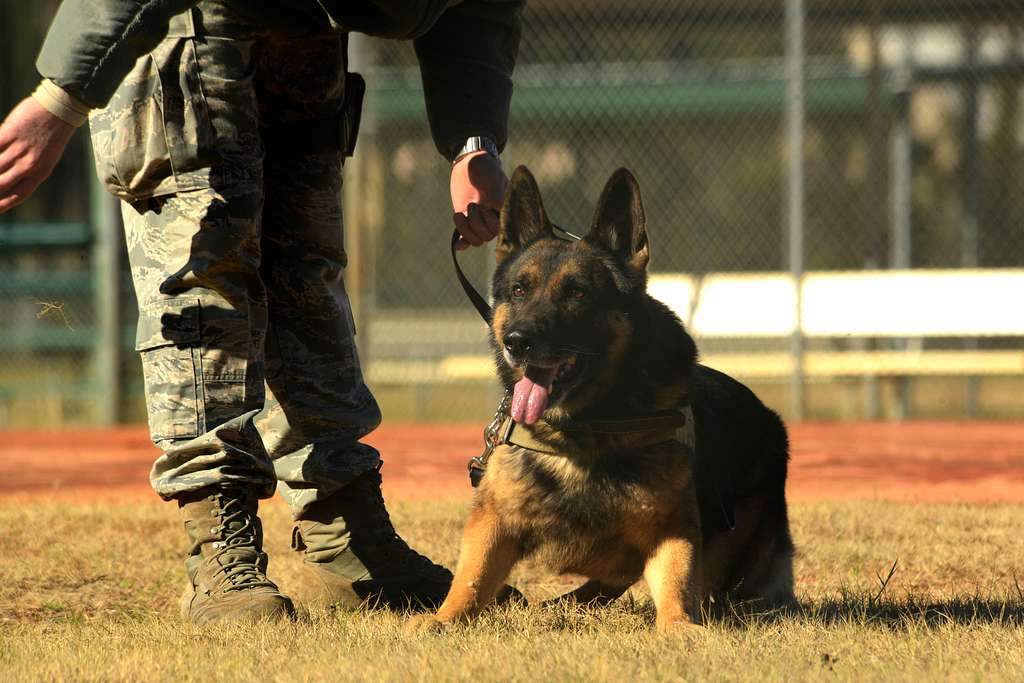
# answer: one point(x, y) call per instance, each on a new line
point(846, 609)
point(887, 613)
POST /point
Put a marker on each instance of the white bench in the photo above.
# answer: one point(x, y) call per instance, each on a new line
point(894, 304)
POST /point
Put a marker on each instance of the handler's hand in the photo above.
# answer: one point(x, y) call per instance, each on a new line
point(31, 143)
point(478, 190)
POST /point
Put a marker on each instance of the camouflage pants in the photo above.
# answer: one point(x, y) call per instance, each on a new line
point(232, 210)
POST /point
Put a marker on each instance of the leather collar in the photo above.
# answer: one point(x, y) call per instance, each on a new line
point(643, 431)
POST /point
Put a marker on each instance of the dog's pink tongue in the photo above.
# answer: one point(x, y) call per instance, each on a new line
point(530, 396)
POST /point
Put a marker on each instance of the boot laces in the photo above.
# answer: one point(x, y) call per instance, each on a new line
point(380, 511)
point(236, 553)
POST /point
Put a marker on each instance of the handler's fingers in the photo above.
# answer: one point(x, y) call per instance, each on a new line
point(478, 223)
point(19, 174)
point(7, 156)
point(466, 228)
point(466, 234)
point(11, 177)
point(492, 219)
point(15, 196)
point(6, 163)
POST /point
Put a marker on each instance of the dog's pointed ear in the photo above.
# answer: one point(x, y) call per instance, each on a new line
point(523, 219)
point(619, 223)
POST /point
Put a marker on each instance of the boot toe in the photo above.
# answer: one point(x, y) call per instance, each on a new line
point(323, 585)
point(244, 608)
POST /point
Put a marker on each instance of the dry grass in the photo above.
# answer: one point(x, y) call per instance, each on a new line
point(89, 593)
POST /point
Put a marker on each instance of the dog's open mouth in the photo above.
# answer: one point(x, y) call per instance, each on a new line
point(537, 387)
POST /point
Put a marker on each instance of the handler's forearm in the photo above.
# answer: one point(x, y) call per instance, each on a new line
point(92, 44)
point(466, 60)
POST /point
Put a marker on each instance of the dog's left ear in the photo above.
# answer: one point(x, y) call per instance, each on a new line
point(619, 223)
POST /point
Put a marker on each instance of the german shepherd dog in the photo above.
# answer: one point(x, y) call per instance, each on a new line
point(579, 344)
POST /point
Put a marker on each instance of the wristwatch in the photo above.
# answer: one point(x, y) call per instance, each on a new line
point(477, 143)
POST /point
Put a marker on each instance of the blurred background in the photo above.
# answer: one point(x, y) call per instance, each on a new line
point(834, 192)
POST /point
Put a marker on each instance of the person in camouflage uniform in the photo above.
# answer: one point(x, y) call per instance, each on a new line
point(222, 127)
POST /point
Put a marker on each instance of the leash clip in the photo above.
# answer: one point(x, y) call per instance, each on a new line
point(478, 465)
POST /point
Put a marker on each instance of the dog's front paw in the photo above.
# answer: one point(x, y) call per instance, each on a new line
point(679, 627)
point(426, 623)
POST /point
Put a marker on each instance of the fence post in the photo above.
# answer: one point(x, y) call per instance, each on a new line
point(901, 167)
point(901, 173)
point(872, 215)
point(970, 182)
point(795, 115)
point(104, 216)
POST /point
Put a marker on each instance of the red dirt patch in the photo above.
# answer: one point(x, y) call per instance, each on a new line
point(918, 461)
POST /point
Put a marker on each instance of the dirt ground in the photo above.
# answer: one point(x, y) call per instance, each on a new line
point(918, 461)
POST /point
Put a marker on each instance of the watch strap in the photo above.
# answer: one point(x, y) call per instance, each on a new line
point(477, 143)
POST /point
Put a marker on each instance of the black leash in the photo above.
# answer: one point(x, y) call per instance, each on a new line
point(478, 465)
point(479, 303)
point(481, 306)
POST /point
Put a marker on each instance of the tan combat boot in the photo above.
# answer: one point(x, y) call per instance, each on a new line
point(226, 564)
point(353, 556)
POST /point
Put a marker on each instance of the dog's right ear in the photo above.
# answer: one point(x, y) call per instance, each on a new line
point(523, 219)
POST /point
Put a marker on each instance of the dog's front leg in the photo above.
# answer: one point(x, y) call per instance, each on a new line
point(672, 572)
point(486, 557)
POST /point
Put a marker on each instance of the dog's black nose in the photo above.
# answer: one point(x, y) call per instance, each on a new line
point(516, 342)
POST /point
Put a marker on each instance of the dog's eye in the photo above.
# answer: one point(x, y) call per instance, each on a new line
point(517, 291)
point(576, 292)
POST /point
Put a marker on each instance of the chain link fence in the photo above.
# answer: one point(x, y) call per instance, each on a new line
point(912, 158)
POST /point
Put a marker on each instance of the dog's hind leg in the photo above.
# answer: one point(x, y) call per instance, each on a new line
point(770, 582)
point(777, 589)
point(594, 593)
point(762, 567)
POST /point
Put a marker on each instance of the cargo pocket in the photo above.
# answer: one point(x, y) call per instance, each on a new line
point(230, 364)
point(168, 342)
point(155, 136)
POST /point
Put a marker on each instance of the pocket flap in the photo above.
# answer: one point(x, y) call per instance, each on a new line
point(167, 322)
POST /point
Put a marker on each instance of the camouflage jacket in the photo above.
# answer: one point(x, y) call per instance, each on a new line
point(466, 50)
